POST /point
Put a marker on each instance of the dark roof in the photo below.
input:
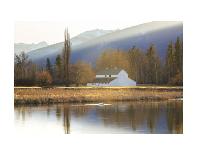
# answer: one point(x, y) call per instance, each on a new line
point(109, 71)
point(103, 80)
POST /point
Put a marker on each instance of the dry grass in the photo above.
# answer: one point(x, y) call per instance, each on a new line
point(38, 95)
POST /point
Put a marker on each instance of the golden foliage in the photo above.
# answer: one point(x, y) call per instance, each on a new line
point(43, 78)
point(81, 73)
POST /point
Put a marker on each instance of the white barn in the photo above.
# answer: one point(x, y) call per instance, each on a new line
point(112, 77)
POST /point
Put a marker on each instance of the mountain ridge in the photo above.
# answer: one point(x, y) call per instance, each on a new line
point(25, 47)
point(159, 33)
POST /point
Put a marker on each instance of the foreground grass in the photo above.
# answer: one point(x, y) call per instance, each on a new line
point(38, 95)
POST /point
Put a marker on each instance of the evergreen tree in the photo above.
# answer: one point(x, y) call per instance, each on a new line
point(179, 54)
point(174, 63)
point(58, 68)
point(153, 66)
point(48, 66)
point(171, 63)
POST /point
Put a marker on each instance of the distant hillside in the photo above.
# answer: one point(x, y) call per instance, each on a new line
point(159, 33)
point(52, 50)
point(88, 35)
point(19, 47)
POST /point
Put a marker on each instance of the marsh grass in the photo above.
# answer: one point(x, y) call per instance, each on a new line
point(24, 95)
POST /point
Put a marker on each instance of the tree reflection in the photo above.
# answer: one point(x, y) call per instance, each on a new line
point(58, 112)
point(175, 118)
point(48, 111)
point(137, 114)
point(153, 114)
point(66, 119)
point(80, 110)
point(143, 117)
point(21, 113)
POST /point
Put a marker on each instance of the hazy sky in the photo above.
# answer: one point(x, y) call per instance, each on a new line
point(53, 32)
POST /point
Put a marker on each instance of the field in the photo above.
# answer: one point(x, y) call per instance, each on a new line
point(38, 95)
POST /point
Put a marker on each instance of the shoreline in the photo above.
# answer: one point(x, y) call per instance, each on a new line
point(55, 95)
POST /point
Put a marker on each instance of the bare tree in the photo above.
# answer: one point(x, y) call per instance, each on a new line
point(66, 57)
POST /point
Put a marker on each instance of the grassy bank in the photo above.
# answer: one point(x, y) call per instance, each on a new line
point(37, 95)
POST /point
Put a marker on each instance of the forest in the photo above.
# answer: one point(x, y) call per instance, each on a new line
point(145, 67)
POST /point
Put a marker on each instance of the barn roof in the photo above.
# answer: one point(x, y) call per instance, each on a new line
point(107, 71)
point(103, 80)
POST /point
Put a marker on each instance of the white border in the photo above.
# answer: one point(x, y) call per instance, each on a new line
point(36, 10)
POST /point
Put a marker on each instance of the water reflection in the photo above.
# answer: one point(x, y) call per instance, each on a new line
point(138, 117)
point(175, 118)
point(66, 119)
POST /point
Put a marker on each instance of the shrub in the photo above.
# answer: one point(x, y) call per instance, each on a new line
point(177, 79)
point(43, 78)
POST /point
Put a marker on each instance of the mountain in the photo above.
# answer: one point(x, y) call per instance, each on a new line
point(19, 47)
point(88, 35)
point(159, 33)
point(52, 50)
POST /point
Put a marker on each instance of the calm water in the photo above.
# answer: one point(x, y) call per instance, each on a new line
point(126, 117)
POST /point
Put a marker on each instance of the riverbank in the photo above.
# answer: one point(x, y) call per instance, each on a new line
point(38, 95)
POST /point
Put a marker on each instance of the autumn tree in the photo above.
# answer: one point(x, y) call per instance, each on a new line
point(66, 57)
point(20, 62)
point(112, 58)
point(177, 79)
point(24, 70)
point(81, 73)
point(138, 64)
point(43, 78)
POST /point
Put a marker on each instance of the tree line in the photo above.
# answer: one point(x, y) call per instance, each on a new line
point(145, 67)
point(62, 72)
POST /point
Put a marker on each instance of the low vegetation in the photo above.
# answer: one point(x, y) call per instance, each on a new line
point(40, 95)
